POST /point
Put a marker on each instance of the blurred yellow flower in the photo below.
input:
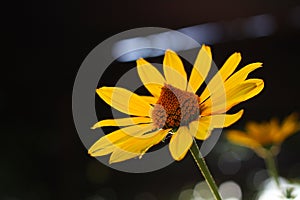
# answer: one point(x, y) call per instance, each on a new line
point(174, 109)
point(266, 135)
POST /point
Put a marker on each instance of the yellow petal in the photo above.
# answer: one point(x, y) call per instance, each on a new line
point(180, 143)
point(103, 151)
point(225, 120)
point(242, 74)
point(230, 65)
point(255, 130)
point(150, 100)
point(236, 79)
point(244, 91)
point(122, 122)
point(235, 95)
point(200, 69)
point(266, 132)
point(238, 90)
point(174, 70)
point(218, 80)
point(214, 105)
point(240, 138)
point(201, 129)
point(252, 127)
point(216, 84)
point(124, 101)
point(150, 76)
point(142, 142)
point(289, 126)
point(137, 146)
point(119, 136)
point(120, 155)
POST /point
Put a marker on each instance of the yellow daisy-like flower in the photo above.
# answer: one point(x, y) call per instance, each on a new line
point(265, 136)
point(174, 108)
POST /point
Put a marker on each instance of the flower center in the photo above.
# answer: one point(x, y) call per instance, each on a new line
point(175, 108)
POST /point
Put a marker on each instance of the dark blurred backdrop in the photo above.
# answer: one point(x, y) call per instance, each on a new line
point(44, 44)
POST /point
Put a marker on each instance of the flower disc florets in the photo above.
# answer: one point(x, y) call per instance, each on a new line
point(175, 108)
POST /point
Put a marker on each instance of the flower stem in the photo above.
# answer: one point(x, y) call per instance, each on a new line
point(271, 166)
point(204, 170)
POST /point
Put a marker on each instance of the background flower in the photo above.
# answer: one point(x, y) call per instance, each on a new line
point(265, 135)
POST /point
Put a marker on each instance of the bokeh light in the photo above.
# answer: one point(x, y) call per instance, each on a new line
point(270, 190)
point(230, 190)
point(201, 191)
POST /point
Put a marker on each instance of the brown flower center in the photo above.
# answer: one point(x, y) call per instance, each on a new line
point(175, 108)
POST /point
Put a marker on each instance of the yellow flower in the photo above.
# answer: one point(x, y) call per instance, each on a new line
point(265, 136)
point(174, 108)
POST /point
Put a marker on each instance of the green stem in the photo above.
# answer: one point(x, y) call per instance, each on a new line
point(271, 166)
point(204, 170)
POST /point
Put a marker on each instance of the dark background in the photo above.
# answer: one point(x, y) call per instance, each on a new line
point(44, 44)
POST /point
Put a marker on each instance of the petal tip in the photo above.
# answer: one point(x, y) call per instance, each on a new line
point(112, 160)
point(169, 51)
point(206, 47)
point(207, 50)
point(100, 90)
point(260, 83)
point(140, 61)
point(238, 55)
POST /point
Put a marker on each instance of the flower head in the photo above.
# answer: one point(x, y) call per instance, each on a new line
point(174, 108)
point(266, 135)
